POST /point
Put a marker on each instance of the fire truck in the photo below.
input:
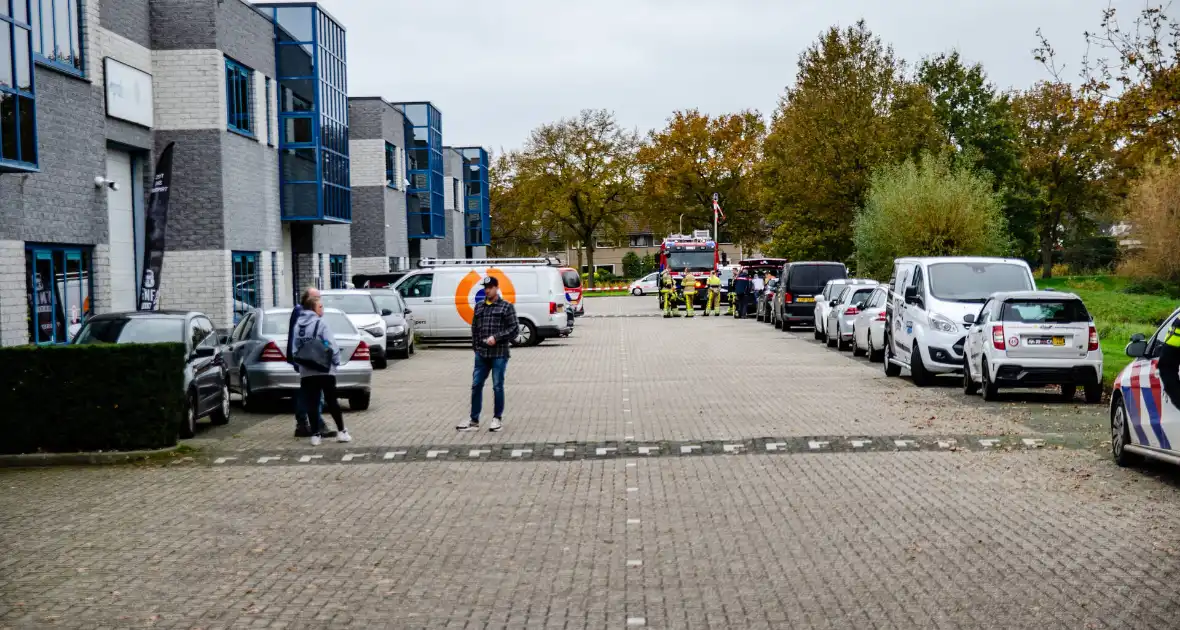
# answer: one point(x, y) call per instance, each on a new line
point(697, 253)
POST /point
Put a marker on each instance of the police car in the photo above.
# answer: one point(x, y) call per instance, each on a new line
point(1144, 421)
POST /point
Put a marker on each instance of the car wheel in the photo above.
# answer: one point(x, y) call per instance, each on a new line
point(819, 332)
point(250, 401)
point(380, 364)
point(918, 372)
point(841, 345)
point(413, 349)
point(970, 387)
point(222, 413)
point(188, 421)
point(778, 323)
point(875, 356)
point(990, 391)
point(1094, 393)
point(891, 369)
point(828, 339)
point(360, 402)
point(637, 291)
point(857, 351)
point(1120, 434)
point(1068, 392)
point(527, 335)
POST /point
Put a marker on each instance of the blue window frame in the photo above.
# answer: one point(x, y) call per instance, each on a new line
point(247, 287)
point(274, 278)
point(392, 175)
point(270, 132)
point(425, 209)
point(336, 271)
point(311, 72)
point(18, 111)
point(478, 206)
point(239, 92)
point(60, 281)
point(57, 34)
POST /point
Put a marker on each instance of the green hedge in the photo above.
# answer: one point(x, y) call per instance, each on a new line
point(64, 399)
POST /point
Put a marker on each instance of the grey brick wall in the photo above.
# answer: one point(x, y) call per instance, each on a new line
point(246, 35)
point(128, 18)
point(332, 239)
point(195, 202)
point(368, 221)
point(365, 118)
point(183, 24)
point(397, 229)
point(250, 200)
point(60, 204)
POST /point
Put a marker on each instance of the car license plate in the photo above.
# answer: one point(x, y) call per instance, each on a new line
point(805, 299)
point(1059, 341)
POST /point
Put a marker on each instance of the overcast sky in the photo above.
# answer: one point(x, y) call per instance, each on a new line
point(498, 69)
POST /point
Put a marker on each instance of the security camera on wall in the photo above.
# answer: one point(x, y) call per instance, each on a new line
point(101, 181)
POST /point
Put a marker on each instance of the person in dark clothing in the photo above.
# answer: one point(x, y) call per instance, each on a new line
point(1169, 363)
point(318, 381)
point(741, 292)
point(493, 328)
point(303, 427)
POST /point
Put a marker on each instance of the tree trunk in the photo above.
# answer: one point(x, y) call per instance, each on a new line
point(579, 251)
point(590, 261)
point(1047, 243)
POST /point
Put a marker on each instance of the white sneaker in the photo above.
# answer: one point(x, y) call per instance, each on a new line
point(466, 425)
point(315, 440)
point(343, 436)
point(496, 425)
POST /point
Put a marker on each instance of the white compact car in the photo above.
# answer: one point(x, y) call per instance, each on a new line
point(1033, 339)
point(868, 327)
point(647, 284)
point(843, 310)
point(823, 302)
point(924, 329)
point(363, 312)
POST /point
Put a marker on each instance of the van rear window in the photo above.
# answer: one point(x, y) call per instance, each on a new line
point(816, 275)
point(1044, 311)
point(571, 279)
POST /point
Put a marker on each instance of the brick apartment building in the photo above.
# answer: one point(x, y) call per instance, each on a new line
point(280, 180)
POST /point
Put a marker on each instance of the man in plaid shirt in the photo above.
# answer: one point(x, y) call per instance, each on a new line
point(493, 329)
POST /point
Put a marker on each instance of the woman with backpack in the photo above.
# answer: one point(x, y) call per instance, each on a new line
point(318, 356)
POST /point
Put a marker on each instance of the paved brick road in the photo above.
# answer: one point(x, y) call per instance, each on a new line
point(876, 535)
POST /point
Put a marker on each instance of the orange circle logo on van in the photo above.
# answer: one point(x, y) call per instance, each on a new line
point(470, 291)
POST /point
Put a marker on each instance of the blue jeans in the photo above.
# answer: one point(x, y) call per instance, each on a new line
point(484, 366)
point(301, 412)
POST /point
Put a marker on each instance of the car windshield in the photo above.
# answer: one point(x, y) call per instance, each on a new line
point(695, 261)
point(391, 301)
point(351, 303)
point(816, 275)
point(132, 330)
point(1044, 311)
point(974, 282)
point(571, 279)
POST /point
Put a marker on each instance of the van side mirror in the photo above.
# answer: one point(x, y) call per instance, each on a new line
point(911, 296)
point(969, 319)
point(407, 311)
point(1137, 349)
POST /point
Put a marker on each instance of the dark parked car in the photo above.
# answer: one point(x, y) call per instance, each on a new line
point(206, 384)
point(399, 329)
point(799, 285)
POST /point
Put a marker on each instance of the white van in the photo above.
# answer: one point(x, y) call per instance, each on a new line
point(929, 298)
point(442, 293)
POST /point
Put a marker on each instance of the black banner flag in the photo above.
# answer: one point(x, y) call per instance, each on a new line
point(157, 221)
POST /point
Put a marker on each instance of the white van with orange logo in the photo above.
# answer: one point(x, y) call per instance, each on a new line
point(442, 293)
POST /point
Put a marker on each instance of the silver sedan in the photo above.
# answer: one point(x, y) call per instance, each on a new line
point(257, 363)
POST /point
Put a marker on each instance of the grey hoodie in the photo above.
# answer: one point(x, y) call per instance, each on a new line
point(306, 331)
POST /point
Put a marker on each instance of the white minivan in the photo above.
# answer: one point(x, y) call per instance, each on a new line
point(442, 294)
point(925, 330)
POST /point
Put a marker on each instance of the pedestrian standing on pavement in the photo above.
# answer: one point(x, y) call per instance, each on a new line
point(688, 286)
point(713, 305)
point(741, 288)
point(302, 425)
point(1169, 363)
point(318, 357)
point(493, 328)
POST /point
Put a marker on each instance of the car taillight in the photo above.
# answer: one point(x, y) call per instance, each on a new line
point(1093, 339)
point(787, 297)
point(362, 352)
point(880, 317)
point(553, 308)
point(271, 352)
point(998, 337)
point(852, 310)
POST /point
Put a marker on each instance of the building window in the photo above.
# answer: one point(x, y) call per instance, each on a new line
point(642, 240)
point(274, 278)
point(336, 271)
point(18, 117)
point(604, 244)
point(477, 204)
point(57, 33)
point(270, 132)
point(247, 284)
point(238, 96)
point(393, 175)
point(60, 282)
point(425, 196)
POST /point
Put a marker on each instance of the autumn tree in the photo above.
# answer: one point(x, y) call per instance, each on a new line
point(1066, 159)
point(695, 156)
point(578, 175)
point(851, 109)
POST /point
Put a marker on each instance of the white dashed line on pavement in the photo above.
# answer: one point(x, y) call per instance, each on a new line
point(732, 448)
point(604, 450)
point(521, 452)
point(816, 445)
point(348, 457)
point(559, 452)
point(632, 521)
point(632, 489)
point(1033, 442)
point(435, 454)
point(222, 460)
point(904, 443)
point(648, 450)
point(307, 458)
point(393, 454)
point(263, 460)
point(946, 443)
point(774, 446)
point(988, 442)
point(860, 443)
point(685, 450)
point(636, 622)
point(475, 452)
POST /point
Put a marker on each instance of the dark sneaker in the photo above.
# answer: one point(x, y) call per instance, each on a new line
point(302, 431)
point(328, 433)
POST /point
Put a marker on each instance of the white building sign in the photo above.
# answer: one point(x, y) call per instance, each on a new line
point(129, 93)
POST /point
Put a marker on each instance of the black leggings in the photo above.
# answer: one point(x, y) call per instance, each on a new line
point(311, 387)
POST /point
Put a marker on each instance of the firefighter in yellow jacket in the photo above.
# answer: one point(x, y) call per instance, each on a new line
point(713, 306)
point(667, 292)
point(688, 285)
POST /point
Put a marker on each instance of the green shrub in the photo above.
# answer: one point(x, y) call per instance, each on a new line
point(632, 265)
point(927, 210)
point(63, 399)
point(648, 265)
point(1153, 286)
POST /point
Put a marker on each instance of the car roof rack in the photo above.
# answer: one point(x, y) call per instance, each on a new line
point(426, 263)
